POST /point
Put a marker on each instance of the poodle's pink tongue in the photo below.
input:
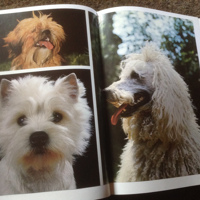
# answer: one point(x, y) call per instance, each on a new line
point(47, 44)
point(115, 116)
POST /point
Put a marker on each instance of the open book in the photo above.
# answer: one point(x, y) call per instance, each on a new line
point(59, 138)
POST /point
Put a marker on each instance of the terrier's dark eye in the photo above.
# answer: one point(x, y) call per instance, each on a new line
point(134, 75)
point(22, 120)
point(56, 117)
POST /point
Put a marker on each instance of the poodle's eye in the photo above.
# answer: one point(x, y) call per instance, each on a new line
point(134, 75)
point(56, 117)
point(123, 64)
point(22, 120)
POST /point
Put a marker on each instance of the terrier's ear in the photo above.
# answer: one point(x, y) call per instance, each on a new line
point(71, 79)
point(4, 87)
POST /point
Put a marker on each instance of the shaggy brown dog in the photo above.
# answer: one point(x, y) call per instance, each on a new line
point(35, 42)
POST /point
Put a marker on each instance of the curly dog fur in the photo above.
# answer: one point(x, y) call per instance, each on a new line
point(157, 115)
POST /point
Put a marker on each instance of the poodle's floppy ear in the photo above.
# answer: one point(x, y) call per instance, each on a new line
point(171, 98)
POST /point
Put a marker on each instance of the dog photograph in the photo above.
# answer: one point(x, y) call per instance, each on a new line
point(47, 132)
point(43, 38)
point(151, 84)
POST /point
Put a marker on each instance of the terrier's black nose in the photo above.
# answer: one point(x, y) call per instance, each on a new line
point(39, 139)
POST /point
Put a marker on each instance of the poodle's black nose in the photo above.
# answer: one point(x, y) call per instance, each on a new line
point(109, 94)
point(39, 139)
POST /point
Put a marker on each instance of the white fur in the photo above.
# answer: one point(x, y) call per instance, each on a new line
point(163, 135)
point(37, 98)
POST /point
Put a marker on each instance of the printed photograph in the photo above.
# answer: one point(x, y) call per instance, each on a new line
point(48, 138)
point(152, 77)
point(43, 39)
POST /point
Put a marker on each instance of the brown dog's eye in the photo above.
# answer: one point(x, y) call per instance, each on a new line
point(57, 117)
point(33, 30)
point(22, 120)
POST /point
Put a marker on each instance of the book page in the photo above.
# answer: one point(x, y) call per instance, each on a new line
point(154, 145)
point(51, 107)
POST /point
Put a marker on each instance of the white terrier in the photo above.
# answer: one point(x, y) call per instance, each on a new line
point(43, 125)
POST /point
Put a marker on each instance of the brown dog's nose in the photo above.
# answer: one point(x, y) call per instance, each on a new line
point(46, 33)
